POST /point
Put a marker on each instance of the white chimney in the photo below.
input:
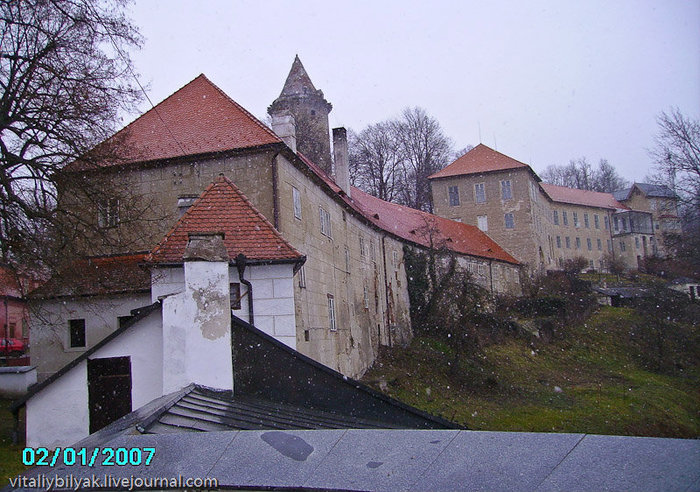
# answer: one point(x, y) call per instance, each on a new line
point(284, 125)
point(197, 321)
point(341, 160)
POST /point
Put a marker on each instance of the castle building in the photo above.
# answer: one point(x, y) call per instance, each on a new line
point(350, 293)
point(544, 225)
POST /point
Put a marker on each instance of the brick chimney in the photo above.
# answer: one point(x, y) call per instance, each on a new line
point(341, 159)
point(197, 321)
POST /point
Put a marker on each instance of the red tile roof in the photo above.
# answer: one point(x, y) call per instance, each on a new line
point(581, 197)
point(224, 208)
point(97, 276)
point(480, 159)
point(418, 227)
point(197, 119)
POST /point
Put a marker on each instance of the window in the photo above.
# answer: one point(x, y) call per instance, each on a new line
point(624, 224)
point(558, 241)
point(325, 222)
point(533, 191)
point(568, 242)
point(482, 222)
point(578, 243)
point(77, 332)
point(363, 249)
point(590, 264)
point(565, 217)
point(482, 269)
point(296, 198)
point(302, 277)
point(589, 244)
point(365, 295)
point(609, 245)
point(622, 245)
point(636, 242)
point(480, 193)
point(596, 221)
point(599, 243)
point(555, 217)
point(586, 222)
point(372, 252)
point(331, 313)
point(235, 291)
point(576, 224)
point(108, 212)
point(347, 259)
point(510, 223)
point(617, 226)
point(506, 191)
point(453, 191)
point(606, 219)
point(395, 259)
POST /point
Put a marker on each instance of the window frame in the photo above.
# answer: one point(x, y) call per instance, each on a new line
point(480, 193)
point(296, 202)
point(453, 196)
point(108, 213)
point(506, 190)
point(77, 323)
point(512, 220)
point(332, 324)
point(486, 222)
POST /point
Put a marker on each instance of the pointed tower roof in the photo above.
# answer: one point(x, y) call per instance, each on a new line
point(197, 119)
point(223, 208)
point(298, 81)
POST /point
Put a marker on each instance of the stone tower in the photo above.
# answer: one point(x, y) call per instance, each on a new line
point(310, 109)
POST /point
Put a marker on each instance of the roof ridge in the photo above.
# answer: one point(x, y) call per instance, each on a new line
point(153, 108)
point(245, 111)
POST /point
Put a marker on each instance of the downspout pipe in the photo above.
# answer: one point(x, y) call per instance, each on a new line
point(241, 262)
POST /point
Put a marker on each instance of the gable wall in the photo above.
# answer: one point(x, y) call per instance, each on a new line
point(50, 343)
point(149, 196)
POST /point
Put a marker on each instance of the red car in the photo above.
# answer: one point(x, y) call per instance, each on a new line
point(11, 346)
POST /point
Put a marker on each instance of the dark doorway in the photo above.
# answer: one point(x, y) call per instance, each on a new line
point(109, 390)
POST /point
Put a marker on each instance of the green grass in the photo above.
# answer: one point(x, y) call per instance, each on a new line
point(605, 389)
point(10, 454)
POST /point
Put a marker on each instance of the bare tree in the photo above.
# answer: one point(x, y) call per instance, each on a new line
point(65, 76)
point(375, 159)
point(426, 150)
point(580, 174)
point(606, 178)
point(393, 159)
point(677, 155)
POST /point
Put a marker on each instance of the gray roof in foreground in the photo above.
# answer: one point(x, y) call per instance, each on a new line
point(418, 460)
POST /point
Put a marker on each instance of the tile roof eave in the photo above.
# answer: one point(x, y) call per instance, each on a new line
point(297, 262)
point(491, 171)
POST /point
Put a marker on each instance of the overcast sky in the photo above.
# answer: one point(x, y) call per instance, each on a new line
point(541, 81)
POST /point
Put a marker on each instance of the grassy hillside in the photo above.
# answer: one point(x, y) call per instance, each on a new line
point(612, 372)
